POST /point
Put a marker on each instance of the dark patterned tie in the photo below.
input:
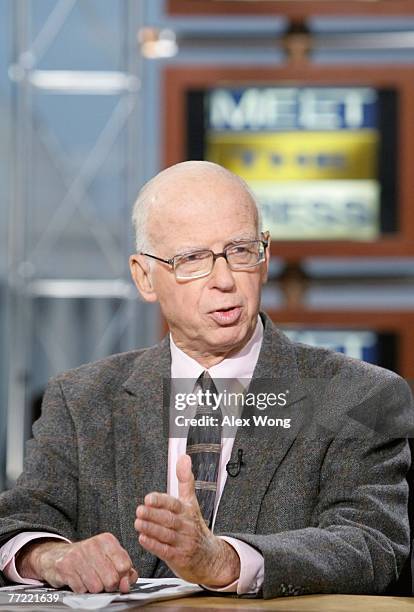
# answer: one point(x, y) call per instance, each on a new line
point(204, 448)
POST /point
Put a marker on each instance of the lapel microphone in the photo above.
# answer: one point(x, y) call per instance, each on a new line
point(233, 467)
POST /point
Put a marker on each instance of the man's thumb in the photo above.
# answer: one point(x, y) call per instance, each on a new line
point(185, 478)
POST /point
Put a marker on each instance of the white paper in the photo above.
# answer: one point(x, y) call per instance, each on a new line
point(151, 589)
point(145, 590)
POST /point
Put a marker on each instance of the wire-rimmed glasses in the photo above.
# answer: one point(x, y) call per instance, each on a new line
point(240, 255)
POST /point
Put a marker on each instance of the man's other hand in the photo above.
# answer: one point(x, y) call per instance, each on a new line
point(93, 565)
point(174, 530)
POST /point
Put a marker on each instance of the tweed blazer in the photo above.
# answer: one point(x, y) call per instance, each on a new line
point(325, 502)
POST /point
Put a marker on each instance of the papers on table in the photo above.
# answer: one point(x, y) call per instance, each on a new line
point(145, 590)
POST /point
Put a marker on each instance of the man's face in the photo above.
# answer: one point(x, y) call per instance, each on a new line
point(209, 317)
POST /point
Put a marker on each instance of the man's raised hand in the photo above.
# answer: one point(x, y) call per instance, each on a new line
point(175, 531)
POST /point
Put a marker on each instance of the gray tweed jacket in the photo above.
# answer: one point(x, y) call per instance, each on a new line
point(325, 502)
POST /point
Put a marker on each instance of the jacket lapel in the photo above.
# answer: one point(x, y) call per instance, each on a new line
point(141, 442)
point(263, 447)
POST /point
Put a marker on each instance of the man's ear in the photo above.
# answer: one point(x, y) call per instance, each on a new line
point(266, 262)
point(141, 275)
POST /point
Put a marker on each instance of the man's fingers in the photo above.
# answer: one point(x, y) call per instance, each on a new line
point(112, 562)
point(76, 583)
point(161, 550)
point(158, 532)
point(114, 551)
point(132, 576)
point(186, 491)
point(160, 516)
point(163, 500)
point(127, 581)
point(91, 580)
point(108, 574)
point(124, 585)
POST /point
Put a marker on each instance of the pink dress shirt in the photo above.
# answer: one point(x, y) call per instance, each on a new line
point(239, 366)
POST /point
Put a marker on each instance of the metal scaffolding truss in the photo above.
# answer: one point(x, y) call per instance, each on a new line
point(68, 243)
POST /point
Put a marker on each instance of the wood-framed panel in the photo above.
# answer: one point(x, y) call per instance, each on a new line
point(179, 80)
point(292, 9)
point(399, 322)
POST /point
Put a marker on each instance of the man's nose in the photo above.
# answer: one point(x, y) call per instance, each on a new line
point(221, 275)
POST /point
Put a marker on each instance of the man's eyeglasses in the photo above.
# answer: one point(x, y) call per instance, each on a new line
point(241, 255)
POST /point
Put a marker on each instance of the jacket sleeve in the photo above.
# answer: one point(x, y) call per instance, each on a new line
point(45, 495)
point(358, 539)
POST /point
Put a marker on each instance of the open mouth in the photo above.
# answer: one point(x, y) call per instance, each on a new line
point(226, 316)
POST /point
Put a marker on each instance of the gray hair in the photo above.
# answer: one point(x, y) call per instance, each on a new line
point(140, 215)
point(145, 200)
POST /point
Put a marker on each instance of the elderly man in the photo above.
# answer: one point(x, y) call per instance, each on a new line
point(109, 493)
